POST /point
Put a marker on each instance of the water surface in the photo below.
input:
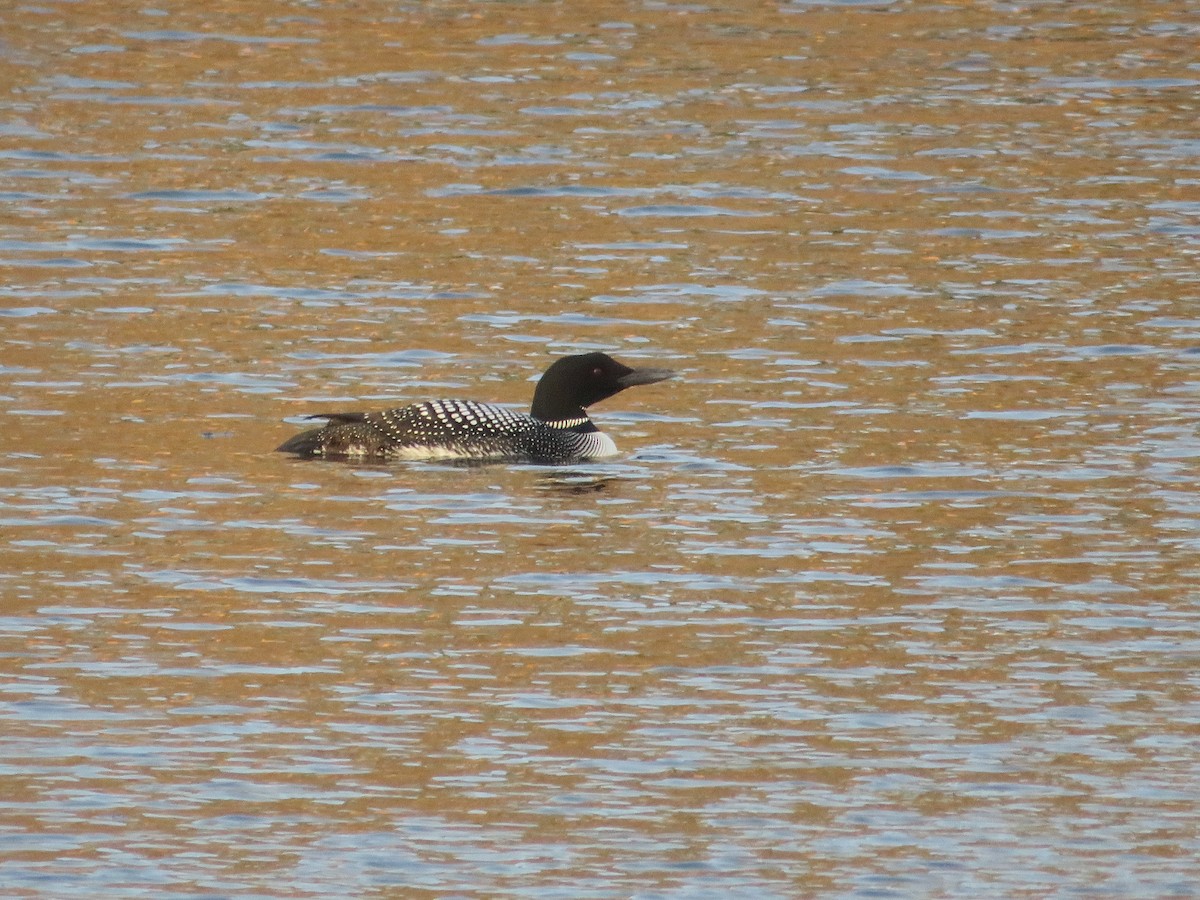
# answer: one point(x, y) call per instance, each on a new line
point(891, 595)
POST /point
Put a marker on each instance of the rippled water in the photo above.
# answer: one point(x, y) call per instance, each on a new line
point(891, 595)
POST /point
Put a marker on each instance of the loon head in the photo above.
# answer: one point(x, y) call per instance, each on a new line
point(574, 383)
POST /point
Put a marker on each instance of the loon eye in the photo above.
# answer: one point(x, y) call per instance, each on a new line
point(597, 372)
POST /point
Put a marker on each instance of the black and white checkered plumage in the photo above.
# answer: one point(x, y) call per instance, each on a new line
point(556, 429)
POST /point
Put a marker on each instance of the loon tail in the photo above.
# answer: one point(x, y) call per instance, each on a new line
point(306, 443)
point(311, 442)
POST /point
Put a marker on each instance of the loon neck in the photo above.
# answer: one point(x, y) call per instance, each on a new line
point(553, 404)
point(580, 424)
point(550, 404)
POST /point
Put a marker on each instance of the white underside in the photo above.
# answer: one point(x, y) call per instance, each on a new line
point(597, 445)
point(359, 451)
point(418, 453)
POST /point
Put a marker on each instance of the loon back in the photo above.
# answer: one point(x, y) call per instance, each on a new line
point(449, 429)
point(557, 430)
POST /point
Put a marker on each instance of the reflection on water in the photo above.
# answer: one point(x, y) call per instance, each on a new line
point(576, 482)
point(890, 595)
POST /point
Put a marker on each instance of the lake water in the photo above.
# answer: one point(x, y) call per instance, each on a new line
point(892, 594)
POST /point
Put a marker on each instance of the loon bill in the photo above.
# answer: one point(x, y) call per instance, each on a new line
point(556, 430)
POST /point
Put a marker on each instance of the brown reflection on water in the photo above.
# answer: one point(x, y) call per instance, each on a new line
point(891, 594)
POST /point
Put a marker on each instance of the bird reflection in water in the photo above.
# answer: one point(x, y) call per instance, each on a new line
point(576, 482)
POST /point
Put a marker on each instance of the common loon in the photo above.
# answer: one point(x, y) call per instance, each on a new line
point(557, 429)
